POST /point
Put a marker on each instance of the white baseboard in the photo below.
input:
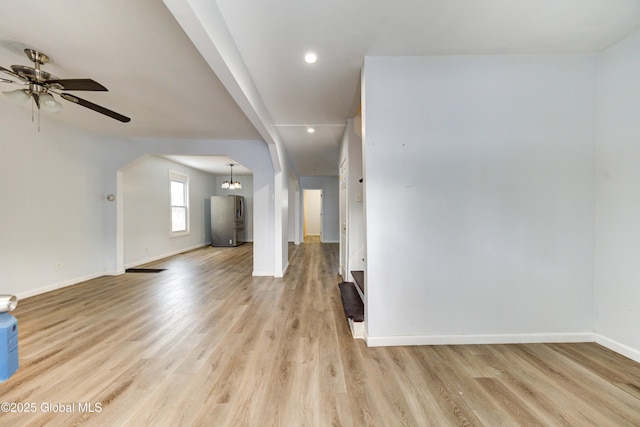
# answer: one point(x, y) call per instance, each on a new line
point(358, 330)
point(331, 241)
point(479, 339)
point(58, 285)
point(262, 274)
point(625, 350)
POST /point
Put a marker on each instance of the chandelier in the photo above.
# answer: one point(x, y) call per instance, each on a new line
point(231, 184)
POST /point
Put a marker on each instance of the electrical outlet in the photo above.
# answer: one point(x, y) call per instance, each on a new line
point(58, 267)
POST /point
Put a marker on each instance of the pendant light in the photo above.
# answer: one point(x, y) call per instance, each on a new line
point(231, 184)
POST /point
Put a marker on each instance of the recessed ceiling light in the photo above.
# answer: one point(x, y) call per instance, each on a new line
point(310, 130)
point(310, 58)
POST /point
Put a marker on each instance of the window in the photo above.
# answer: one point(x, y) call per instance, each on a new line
point(179, 187)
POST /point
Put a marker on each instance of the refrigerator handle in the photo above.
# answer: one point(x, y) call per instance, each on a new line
point(240, 211)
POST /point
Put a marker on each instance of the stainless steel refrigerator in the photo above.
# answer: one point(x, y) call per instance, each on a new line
point(227, 220)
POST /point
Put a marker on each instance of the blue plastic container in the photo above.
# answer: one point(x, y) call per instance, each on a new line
point(8, 346)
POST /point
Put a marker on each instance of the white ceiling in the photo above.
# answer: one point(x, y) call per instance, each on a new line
point(158, 78)
point(217, 165)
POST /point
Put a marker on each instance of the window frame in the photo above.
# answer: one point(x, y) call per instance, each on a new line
point(175, 176)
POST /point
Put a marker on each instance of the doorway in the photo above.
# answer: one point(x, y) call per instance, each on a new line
point(312, 214)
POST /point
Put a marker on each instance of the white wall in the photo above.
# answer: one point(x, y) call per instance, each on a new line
point(479, 198)
point(281, 215)
point(617, 289)
point(313, 212)
point(331, 204)
point(351, 153)
point(355, 202)
point(146, 210)
point(291, 215)
point(53, 208)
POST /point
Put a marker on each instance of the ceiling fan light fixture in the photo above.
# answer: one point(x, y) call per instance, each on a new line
point(51, 107)
point(48, 103)
point(20, 95)
point(47, 100)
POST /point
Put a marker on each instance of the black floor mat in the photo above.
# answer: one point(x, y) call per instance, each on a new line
point(144, 270)
point(353, 306)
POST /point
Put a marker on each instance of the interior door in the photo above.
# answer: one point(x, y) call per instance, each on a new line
point(312, 213)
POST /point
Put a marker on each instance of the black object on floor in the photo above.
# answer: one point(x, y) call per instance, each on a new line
point(144, 270)
point(358, 276)
point(353, 306)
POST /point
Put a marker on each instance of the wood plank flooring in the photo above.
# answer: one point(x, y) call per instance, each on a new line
point(206, 344)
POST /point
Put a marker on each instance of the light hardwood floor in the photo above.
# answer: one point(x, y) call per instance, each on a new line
point(205, 343)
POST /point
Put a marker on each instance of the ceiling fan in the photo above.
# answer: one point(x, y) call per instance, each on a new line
point(40, 85)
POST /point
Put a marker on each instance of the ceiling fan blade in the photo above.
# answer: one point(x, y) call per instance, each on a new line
point(95, 107)
point(6, 81)
point(12, 74)
point(76, 84)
